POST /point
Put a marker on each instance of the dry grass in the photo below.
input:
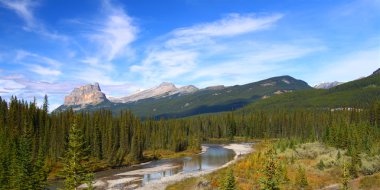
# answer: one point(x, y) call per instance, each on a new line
point(308, 155)
point(370, 182)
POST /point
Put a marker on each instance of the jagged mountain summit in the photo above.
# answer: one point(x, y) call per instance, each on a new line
point(327, 85)
point(85, 95)
point(169, 101)
point(164, 89)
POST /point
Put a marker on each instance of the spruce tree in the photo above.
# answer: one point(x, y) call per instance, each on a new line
point(45, 106)
point(229, 181)
point(76, 169)
point(345, 177)
point(301, 179)
point(355, 163)
point(25, 159)
point(270, 171)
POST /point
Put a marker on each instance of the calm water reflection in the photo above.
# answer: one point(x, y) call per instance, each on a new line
point(214, 157)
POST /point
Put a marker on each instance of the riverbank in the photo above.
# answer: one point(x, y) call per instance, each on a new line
point(239, 149)
point(149, 156)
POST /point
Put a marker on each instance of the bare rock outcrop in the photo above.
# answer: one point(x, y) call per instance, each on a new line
point(327, 85)
point(164, 89)
point(88, 94)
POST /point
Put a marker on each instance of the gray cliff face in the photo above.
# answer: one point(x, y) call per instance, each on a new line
point(88, 94)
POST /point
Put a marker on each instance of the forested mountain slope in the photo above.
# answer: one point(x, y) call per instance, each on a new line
point(359, 93)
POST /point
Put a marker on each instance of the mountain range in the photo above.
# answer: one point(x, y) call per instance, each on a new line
point(167, 100)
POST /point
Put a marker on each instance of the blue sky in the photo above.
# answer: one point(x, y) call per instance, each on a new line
point(50, 47)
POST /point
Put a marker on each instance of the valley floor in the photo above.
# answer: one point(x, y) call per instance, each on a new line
point(323, 169)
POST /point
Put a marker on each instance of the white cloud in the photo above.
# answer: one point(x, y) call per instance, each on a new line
point(164, 65)
point(39, 64)
point(96, 63)
point(109, 38)
point(231, 25)
point(24, 9)
point(22, 55)
point(10, 86)
point(44, 71)
point(217, 53)
point(349, 67)
point(91, 75)
point(113, 34)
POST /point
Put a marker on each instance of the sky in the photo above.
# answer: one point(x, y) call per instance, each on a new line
point(51, 46)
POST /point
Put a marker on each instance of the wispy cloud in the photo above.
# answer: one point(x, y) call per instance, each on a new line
point(20, 86)
point(231, 25)
point(112, 34)
point(10, 86)
point(44, 71)
point(25, 10)
point(218, 52)
point(350, 67)
point(23, 55)
point(253, 63)
point(166, 65)
point(38, 64)
point(109, 37)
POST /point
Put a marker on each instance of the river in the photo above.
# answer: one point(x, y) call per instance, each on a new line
point(146, 175)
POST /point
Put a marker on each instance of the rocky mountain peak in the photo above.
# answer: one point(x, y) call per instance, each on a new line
point(166, 84)
point(87, 94)
point(327, 85)
point(185, 90)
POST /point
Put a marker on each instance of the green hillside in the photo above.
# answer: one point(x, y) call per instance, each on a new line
point(358, 93)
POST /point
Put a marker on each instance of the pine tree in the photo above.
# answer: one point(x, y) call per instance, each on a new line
point(355, 163)
point(25, 159)
point(40, 172)
point(76, 169)
point(229, 181)
point(321, 165)
point(45, 106)
point(137, 143)
point(345, 177)
point(301, 180)
point(270, 181)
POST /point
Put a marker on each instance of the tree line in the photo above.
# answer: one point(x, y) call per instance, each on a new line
point(33, 141)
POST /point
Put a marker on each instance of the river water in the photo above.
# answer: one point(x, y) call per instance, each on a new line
point(137, 176)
